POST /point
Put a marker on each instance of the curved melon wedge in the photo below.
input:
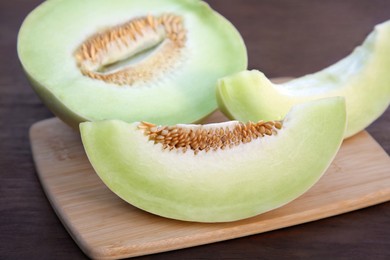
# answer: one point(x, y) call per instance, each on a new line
point(363, 78)
point(223, 184)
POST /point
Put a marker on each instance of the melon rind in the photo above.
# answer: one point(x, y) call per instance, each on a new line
point(222, 185)
point(363, 78)
point(53, 31)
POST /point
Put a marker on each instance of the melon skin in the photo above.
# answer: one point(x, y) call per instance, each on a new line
point(363, 78)
point(223, 185)
point(53, 31)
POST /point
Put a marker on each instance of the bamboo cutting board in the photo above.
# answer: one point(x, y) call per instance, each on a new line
point(105, 227)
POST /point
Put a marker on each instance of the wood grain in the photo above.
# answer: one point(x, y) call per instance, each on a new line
point(105, 227)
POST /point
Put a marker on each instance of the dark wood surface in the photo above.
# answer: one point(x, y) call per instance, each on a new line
point(284, 38)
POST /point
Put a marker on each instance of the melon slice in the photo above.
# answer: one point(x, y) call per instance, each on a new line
point(363, 78)
point(132, 60)
point(217, 172)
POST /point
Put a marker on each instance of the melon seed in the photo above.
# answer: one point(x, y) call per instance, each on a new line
point(124, 41)
point(201, 139)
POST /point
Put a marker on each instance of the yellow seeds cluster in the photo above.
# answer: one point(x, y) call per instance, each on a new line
point(201, 139)
point(97, 51)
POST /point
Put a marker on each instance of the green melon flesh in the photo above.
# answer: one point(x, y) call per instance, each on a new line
point(363, 78)
point(223, 185)
point(52, 32)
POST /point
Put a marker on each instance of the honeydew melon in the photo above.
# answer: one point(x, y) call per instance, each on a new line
point(363, 78)
point(154, 60)
point(226, 179)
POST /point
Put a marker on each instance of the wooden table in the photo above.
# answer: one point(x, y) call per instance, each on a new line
point(284, 38)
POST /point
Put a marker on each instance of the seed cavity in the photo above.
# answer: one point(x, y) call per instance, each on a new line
point(208, 139)
point(136, 51)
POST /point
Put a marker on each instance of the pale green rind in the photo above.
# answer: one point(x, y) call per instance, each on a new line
point(220, 186)
point(363, 78)
point(250, 96)
point(56, 106)
point(52, 32)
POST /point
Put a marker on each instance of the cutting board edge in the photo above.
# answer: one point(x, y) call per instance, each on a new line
point(250, 229)
point(72, 231)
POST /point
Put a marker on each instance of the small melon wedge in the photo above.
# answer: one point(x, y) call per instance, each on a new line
point(232, 172)
point(131, 60)
point(363, 78)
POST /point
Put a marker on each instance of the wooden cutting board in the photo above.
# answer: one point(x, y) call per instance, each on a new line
point(105, 227)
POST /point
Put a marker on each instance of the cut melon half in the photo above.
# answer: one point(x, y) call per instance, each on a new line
point(218, 172)
point(132, 60)
point(363, 78)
